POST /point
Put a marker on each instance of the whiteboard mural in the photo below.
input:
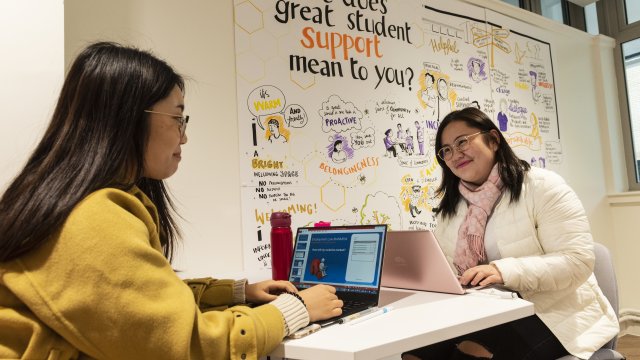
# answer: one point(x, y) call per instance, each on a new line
point(339, 102)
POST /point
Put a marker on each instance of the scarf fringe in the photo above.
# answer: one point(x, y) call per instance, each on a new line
point(481, 200)
point(476, 246)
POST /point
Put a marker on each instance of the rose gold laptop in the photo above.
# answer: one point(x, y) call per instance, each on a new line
point(413, 260)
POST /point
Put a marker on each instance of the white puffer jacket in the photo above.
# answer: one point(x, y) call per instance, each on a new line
point(547, 256)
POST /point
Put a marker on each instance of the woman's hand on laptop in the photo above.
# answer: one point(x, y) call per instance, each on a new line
point(322, 302)
point(482, 275)
point(264, 291)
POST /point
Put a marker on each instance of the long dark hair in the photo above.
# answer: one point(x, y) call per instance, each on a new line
point(96, 139)
point(511, 168)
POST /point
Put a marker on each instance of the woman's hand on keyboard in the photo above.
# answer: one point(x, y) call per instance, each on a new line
point(322, 302)
point(262, 292)
point(481, 275)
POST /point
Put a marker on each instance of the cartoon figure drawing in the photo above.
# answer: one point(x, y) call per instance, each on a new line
point(476, 69)
point(533, 161)
point(339, 150)
point(400, 139)
point(502, 115)
point(542, 162)
point(519, 54)
point(315, 268)
point(323, 268)
point(408, 140)
point(414, 200)
point(420, 137)
point(444, 104)
point(429, 96)
point(535, 128)
point(535, 93)
point(338, 155)
point(389, 144)
point(274, 132)
point(534, 50)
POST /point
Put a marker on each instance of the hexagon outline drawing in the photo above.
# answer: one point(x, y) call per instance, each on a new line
point(313, 77)
point(245, 76)
point(342, 189)
point(306, 164)
point(296, 141)
point(244, 27)
point(261, 46)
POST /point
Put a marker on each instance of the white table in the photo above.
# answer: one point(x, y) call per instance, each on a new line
point(417, 319)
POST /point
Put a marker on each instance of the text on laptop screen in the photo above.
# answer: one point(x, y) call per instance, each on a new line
point(345, 257)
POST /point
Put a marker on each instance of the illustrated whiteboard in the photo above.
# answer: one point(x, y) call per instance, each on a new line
point(339, 102)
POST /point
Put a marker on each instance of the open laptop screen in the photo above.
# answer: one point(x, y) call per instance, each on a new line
point(346, 257)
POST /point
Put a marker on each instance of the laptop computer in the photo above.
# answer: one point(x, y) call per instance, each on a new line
point(415, 261)
point(348, 258)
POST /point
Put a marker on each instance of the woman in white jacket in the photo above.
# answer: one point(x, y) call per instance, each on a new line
point(502, 222)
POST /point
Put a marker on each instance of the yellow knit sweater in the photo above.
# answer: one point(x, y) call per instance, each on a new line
point(101, 288)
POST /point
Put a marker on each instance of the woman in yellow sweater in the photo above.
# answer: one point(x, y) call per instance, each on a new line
point(88, 234)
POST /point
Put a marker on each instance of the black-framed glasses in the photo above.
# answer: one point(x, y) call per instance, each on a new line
point(461, 144)
point(182, 120)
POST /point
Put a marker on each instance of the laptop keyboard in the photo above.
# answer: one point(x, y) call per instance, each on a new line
point(473, 287)
point(350, 305)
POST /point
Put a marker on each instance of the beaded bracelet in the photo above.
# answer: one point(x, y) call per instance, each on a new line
point(296, 296)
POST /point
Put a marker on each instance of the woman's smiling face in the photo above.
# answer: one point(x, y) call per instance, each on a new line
point(163, 152)
point(474, 164)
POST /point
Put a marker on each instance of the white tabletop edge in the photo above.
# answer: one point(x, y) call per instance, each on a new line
point(446, 316)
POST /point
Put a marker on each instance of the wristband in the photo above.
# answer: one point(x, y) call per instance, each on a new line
point(296, 296)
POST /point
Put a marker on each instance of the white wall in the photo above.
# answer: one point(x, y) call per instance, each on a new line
point(31, 73)
point(196, 36)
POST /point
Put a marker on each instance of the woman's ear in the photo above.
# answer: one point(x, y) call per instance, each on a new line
point(495, 139)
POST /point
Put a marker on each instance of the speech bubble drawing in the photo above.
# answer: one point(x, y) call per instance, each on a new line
point(295, 116)
point(362, 139)
point(266, 100)
point(339, 116)
point(431, 67)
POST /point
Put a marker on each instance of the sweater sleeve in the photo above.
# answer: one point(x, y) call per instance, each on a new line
point(562, 230)
point(213, 294)
point(103, 284)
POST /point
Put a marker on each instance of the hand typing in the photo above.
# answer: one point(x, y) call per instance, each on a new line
point(262, 292)
point(322, 302)
point(481, 275)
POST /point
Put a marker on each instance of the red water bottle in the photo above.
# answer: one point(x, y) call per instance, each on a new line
point(281, 245)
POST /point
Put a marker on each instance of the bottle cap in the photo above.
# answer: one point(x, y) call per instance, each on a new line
point(280, 219)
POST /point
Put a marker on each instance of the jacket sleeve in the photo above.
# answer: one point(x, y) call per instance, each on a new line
point(213, 294)
point(561, 228)
point(103, 284)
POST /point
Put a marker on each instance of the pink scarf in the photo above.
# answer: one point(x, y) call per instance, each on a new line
point(470, 246)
